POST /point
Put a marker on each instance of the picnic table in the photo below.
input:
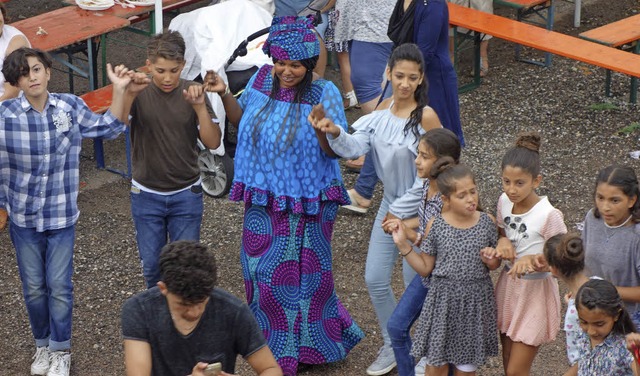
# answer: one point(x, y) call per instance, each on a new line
point(139, 13)
point(69, 26)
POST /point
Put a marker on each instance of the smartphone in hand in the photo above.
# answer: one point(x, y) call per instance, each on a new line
point(213, 369)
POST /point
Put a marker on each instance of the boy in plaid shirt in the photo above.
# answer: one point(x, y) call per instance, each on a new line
point(40, 141)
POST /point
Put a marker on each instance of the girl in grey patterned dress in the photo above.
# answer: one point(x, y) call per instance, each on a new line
point(457, 324)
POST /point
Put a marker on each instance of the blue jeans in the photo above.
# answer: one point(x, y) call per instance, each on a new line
point(367, 180)
point(406, 313)
point(159, 218)
point(381, 259)
point(45, 263)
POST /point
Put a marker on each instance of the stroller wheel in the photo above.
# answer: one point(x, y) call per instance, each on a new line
point(216, 173)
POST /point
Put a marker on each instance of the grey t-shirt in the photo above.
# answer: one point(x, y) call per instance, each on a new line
point(226, 329)
point(612, 253)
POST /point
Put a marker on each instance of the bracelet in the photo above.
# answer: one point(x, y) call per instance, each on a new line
point(418, 239)
point(405, 254)
point(226, 91)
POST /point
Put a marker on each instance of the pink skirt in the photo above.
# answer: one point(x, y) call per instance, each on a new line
point(528, 309)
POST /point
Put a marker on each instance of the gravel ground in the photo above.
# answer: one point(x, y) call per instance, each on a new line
point(565, 103)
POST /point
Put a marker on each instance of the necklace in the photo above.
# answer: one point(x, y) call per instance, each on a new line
point(620, 225)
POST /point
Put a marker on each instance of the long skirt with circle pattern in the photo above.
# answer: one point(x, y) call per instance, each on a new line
point(287, 268)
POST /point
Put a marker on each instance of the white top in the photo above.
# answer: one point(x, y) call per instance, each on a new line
point(529, 231)
point(393, 152)
point(8, 32)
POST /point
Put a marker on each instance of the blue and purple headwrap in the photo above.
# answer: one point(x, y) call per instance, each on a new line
point(292, 38)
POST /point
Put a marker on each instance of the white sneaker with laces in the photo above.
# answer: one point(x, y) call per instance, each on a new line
point(385, 362)
point(40, 364)
point(60, 363)
point(421, 366)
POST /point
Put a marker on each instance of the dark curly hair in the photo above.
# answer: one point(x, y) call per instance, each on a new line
point(16, 64)
point(188, 269)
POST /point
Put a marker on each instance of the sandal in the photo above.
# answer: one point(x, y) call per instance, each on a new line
point(350, 101)
point(355, 206)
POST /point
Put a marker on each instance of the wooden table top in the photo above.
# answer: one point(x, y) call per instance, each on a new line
point(66, 26)
point(616, 33)
point(128, 12)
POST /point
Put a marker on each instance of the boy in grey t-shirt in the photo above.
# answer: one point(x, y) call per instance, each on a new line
point(185, 323)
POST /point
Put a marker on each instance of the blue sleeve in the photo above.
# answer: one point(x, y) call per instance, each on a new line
point(333, 107)
point(94, 125)
point(427, 25)
point(406, 206)
point(242, 100)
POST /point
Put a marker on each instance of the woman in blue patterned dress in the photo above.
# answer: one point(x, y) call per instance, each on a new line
point(291, 185)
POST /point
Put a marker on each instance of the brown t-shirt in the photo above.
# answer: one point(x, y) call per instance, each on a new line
point(164, 129)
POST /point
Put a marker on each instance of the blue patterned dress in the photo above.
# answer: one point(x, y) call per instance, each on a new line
point(291, 190)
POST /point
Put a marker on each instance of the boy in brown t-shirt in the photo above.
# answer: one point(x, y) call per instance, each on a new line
point(167, 116)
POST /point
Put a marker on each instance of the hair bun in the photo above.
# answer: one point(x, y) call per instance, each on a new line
point(441, 165)
point(529, 140)
point(573, 247)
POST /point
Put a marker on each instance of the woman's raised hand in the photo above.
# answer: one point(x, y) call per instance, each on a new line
point(213, 83)
point(321, 123)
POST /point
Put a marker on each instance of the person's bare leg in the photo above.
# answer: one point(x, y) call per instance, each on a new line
point(345, 71)
point(506, 350)
point(436, 371)
point(457, 372)
point(484, 56)
point(521, 359)
point(369, 106)
point(322, 59)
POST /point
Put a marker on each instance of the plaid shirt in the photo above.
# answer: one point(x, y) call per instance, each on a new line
point(40, 158)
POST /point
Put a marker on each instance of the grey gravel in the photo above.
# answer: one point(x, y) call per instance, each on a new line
point(515, 97)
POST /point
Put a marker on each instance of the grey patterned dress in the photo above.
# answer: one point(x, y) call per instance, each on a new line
point(458, 320)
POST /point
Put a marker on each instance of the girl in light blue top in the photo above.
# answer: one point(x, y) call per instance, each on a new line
point(391, 133)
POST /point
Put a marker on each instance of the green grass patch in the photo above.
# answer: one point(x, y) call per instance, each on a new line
point(630, 128)
point(603, 107)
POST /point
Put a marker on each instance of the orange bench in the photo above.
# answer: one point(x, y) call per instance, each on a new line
point(541, 39)
point(99, 101)
point(623, 34)
point(543, 9)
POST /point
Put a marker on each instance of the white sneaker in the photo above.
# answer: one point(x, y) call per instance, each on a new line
point(40, 364)
point(60, 363)
point(385, 362)
point(421, 366)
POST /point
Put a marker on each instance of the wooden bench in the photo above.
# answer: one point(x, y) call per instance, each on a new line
point(99, 101)
point(541, 39)
point(542, 9)
point(623, 34)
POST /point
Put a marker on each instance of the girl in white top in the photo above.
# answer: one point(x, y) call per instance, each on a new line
point(528, 301)
point(10, 40)
point(392, 134)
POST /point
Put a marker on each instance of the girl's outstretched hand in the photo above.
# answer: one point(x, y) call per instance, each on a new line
point(540, 263)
